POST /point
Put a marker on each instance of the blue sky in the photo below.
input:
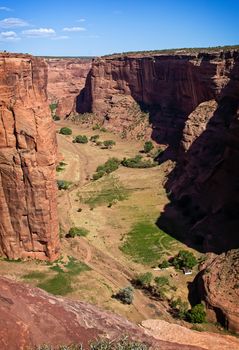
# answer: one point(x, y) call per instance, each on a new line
point(91, 27)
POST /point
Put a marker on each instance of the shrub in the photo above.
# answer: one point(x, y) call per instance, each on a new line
point(164, 264)
point(98, 175)
point(143, 279)
point(103, 129)
point(99, 143)
point(180, 308)
point(96, 127)
point(60, 166)
point(100, 344)
point(56, 117)
point(125, 295)
point(138, 162)
point(197, 314)
point(184, 259)
point(148, 146)
point(109, 143)
point(94, 138)
point(81, 139)
point(65, 131)
point(53, 106)
point(63, 184)
point(77, 231)
point(161, 281)
point(108, 167)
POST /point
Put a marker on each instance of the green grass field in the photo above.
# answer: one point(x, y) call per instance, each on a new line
point(147, 244)
point(108, 190)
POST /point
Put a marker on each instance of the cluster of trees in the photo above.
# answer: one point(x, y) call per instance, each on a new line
point(108, 167)
point(138, 162)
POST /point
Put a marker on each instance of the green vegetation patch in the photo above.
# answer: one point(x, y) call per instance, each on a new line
point(146, 243)
point(58, 285)
point(61, 283)
point(81, 139)
point(38, 275)
point(108, 191)
point(138, 162)
point(77, 231)
point(61, 167)
point(108, 167)
point(63, 184)
point(65, 131)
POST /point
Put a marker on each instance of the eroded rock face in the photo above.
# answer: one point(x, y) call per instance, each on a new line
point(66, 79)
point(168, 87)
point(219, 288)
point(31, 317)
point(28, 213)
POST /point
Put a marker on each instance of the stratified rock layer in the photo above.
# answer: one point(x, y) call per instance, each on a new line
point(218, 284)
point(28, 212)
point(31, 317)
point(169, 87)
point(66, 79)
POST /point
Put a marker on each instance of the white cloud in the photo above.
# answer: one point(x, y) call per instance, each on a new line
point(60, 37)
point(74, 29)
point(9, 36)
point(39, 33)
point(4, 8)
point(13, 22)
point(81, 20)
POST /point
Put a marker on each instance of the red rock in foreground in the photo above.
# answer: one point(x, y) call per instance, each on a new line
point(30, 316)
point(28, 207)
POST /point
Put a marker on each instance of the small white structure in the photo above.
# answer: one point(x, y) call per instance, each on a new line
point(187, 271)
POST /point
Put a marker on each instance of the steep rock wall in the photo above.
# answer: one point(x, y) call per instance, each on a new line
point(28, 212)
point(66, 78)
point(218, 284)
point(169, 87)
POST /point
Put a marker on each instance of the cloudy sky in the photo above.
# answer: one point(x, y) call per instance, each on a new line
point(97, 27)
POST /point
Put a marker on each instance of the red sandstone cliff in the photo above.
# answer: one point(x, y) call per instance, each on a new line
point(169, 87)
point(66, 78)
point(28, 213)
point(219, 288)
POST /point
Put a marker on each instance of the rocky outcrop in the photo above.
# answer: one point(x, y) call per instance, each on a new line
point(31, 317)
point(66, 79)
point(218, 284)
point(168, 87)
point(28, 212)
point(174, 332)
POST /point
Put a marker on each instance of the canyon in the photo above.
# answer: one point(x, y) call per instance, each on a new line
point(188, 104)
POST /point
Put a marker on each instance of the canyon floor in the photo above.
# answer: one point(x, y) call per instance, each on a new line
point(112, 209)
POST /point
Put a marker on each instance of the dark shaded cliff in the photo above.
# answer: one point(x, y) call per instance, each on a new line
point(28, 208)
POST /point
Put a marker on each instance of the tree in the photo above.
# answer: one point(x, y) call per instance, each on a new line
point(148, 146)
point(80, 139)
point(184, 259)
point(197, 314)
point(125, 295)
point(143, 279)
point(65, 131)
point(108, 143)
